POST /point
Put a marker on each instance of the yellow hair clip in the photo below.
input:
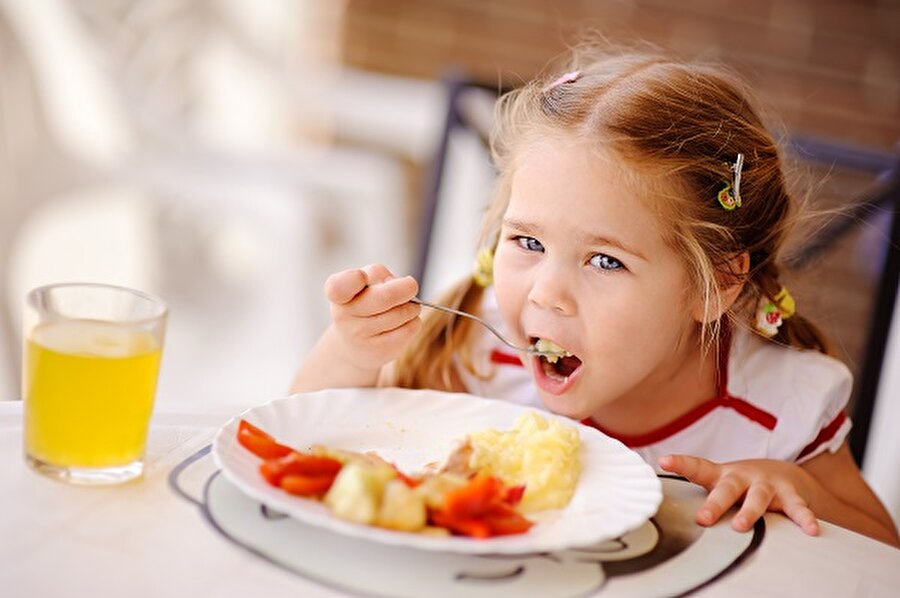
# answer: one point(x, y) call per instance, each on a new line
point(785, 302)
point(483, 275)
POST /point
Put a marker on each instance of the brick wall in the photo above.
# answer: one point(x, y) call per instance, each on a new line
point(827, 67)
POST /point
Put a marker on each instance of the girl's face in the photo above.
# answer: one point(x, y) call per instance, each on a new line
point(581, 262)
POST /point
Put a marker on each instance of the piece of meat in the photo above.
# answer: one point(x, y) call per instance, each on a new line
point(457, 461)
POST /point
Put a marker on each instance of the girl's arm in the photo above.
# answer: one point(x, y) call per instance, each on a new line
point(372, 321)
point(848, 501)
point(829, 486)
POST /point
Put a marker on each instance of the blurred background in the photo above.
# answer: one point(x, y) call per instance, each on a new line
point(229, 155)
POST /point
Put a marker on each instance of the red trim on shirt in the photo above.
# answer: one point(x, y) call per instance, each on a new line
point(825, 434)
point(498, 356)
point(745, 408)
point(661, 433)
point(751, 412)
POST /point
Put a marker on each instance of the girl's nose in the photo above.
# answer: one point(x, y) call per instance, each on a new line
point(551, 291)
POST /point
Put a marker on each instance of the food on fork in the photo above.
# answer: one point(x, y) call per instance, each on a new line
point(481, 491)
point(551, 351)
point(555, 361)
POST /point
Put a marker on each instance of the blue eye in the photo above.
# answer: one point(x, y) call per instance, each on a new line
point(529, 243)
point(606, 262)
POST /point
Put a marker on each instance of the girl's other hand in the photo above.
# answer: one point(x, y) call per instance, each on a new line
point(373, 318)
point(764, 485)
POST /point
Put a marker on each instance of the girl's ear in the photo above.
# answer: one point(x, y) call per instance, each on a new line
point(730, 287)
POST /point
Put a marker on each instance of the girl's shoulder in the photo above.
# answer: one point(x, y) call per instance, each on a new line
point(760, 367)
point(805, 391)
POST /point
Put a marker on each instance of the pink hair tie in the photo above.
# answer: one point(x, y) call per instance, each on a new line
point(569, 77)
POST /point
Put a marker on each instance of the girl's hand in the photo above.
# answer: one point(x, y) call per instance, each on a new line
point(764, 485)
point(373, 318)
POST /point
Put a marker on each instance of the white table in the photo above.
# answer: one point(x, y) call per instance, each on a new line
point(142, 539)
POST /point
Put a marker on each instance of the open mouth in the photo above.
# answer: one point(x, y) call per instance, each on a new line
point(557, 363)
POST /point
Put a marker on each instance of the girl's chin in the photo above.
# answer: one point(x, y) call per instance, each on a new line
point(566, 406)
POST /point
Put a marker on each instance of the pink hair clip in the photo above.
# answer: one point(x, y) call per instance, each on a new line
point(569, 77)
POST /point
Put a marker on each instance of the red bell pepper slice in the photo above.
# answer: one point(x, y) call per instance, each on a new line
point(482, 508)
point(514, 495)
point(501, 520)
point(477, 497)
point(296, 463)
point(259, 443)
point(247, 427)
point(471, 527)
point(505, 520)
point(302, 485)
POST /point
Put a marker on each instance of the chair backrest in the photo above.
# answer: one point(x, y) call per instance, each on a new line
point(460, 185)
point(875, 207)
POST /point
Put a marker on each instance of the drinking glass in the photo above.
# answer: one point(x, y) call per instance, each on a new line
point(90, 363)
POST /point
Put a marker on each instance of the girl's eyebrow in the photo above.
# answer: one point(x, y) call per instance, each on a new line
point(601, 240)
point(529, 228)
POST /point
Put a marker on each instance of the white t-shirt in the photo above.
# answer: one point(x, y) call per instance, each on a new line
point(775, 402)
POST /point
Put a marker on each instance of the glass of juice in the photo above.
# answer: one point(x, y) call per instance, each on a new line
point(90, 364)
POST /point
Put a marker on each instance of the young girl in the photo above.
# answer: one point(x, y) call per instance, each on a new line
point(639, 213)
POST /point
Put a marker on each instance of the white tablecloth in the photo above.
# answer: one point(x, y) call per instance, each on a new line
point(141, 539)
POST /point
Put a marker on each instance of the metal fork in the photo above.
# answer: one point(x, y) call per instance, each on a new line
point(531, 349)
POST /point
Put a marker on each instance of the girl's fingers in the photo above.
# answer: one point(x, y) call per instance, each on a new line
point(368, 327)
point(398, 336)
point(763, 485)
point(370, 290)
point(342, 287)
point(724, 494)
point(376, 274)
point(696, 469)
point(380, 297)
point(756, 503)
point(800, 513)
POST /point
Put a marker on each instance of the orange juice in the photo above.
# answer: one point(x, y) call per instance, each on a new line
point(89, 388)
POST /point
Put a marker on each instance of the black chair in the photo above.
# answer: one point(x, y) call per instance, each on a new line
point(884, 194)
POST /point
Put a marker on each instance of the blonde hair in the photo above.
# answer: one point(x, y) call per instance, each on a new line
point(678, 125)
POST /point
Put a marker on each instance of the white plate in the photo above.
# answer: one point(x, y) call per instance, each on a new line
point(616, 492)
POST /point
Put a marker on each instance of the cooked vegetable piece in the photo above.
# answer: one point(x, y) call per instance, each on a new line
point(434, 488)
point(514, 495)
point(504, 520)
point(296, 463)
point(467, 527)
point(481, 509)
point(356, 492)
point(302, 485)
point(477, 497)
point(401, 508)
point(259, 443)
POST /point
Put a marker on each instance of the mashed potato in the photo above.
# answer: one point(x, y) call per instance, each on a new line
point(539, 453)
